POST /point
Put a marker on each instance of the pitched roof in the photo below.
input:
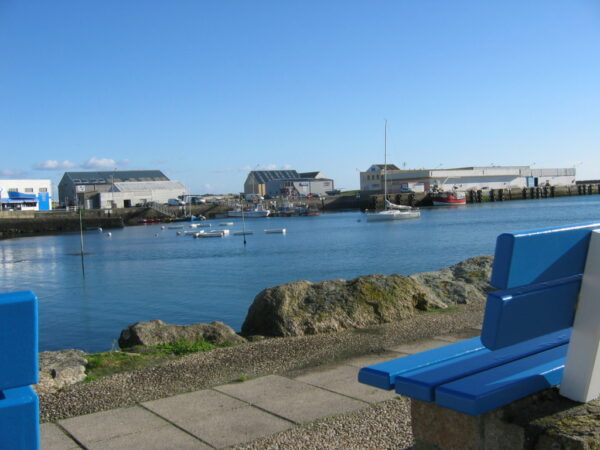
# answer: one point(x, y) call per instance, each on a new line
point(113, 176)
point(389, 166)
point(263, 176)
point(309, 174)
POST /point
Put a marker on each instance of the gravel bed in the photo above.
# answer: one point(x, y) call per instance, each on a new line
point(385, 425)
point(270, 356)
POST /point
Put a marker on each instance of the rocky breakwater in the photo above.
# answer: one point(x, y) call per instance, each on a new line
point(304, 308)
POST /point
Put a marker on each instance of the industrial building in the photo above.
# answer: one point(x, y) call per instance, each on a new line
point(25, 195)
point(287, 183)
point(117, 189)
point(464, 178)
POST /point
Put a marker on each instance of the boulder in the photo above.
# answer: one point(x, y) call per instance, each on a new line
point(60, 369)
point(465, 282)
point(157, 332)
point(302, 308)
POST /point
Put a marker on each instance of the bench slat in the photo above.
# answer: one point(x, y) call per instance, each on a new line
point(497, 387)
point(421, 383)
point(540, 255)
point(383, 375)
point(519, 314)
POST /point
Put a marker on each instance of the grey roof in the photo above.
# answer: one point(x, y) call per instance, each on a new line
point(263, 176)
point(309, 174)
point(110, 176)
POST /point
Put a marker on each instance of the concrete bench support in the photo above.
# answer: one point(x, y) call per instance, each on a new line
point(581, 379)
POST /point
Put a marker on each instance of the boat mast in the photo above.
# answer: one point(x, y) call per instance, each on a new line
point(385, 165)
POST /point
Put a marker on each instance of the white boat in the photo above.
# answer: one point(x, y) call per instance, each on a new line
point(226, 224)
point(276, 231)
point(258, 211)
point(391, 210)
point(211, 234)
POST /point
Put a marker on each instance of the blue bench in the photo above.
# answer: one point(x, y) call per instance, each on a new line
point(19, 407)
point(527, 328)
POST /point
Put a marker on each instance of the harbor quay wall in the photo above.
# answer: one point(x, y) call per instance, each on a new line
point(17, 227)
point(420, 199)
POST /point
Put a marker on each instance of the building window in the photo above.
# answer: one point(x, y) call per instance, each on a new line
point(13, 189)
point(43, 189)
point(28, 189)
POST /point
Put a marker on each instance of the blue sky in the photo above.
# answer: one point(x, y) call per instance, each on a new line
point(208, 90)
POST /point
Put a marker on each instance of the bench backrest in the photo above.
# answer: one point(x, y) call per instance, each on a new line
point(549, 280)
point(539, 275)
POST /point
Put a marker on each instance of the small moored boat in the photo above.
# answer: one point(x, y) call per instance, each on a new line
point(276, 231)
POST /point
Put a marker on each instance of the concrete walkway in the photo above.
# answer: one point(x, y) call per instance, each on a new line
point(234, 413)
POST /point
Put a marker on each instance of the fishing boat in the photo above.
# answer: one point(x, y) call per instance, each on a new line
point(391, 210)
point(445, 198)
point(258, 211)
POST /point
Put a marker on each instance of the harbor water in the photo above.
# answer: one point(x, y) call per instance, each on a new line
point(145, 272)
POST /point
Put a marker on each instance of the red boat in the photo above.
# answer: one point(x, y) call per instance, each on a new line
point(445, 198)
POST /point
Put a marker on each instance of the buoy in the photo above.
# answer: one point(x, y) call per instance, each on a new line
point(100, 229)
point(162, 227)
point(109, 234)
point(156, 235)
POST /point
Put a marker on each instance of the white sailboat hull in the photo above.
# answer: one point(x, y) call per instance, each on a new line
point(392, 214)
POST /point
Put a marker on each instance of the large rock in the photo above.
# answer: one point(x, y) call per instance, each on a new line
point(301, 307)
point(465, 282)
point(157, 332)
point(60, 369)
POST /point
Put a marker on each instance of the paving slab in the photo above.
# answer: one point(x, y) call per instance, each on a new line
point(374, 358)
point(165, 438)
point(182, 406)
point(106, 425)
point(344, 380)
point(233, 426)
point(291, 399)
point(53, 438)
point(417, 347)
point(461, 335)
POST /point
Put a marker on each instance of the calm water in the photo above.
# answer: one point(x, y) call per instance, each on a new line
point(137, 276)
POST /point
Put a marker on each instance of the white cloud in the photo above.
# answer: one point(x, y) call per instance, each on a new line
point(52, 164)
point(92, 163)
point(99, 163)
point(11, 173)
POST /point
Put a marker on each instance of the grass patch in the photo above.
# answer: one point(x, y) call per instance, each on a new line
point(108, 363)
point(183, 347)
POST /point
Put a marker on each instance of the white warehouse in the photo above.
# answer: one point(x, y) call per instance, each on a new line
point(131, 193)
point(464, 178)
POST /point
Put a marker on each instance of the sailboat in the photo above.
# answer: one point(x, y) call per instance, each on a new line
point(391, 210)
